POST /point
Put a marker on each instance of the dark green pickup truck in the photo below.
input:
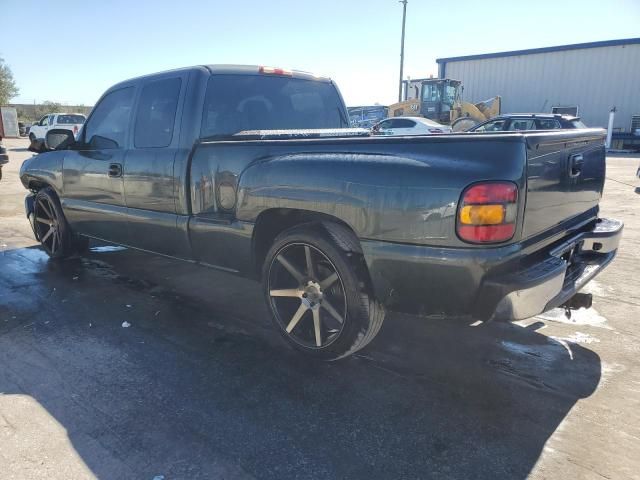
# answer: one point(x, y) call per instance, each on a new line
point(202, 164)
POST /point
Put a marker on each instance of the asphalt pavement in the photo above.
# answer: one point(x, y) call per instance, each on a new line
point(124, 365)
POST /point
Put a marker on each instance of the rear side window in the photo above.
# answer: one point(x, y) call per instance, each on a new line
point(403, 123)
point(236, 103)
point(70, 119)
point(548, 124)
point(156, 113)
point(495, 126)
point(522, 124)
point(109, 122)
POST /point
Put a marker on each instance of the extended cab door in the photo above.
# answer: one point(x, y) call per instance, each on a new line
point(93, 197)
point(150, 183)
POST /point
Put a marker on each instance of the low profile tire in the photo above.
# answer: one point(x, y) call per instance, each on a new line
point(51, 227)
point(316, 285)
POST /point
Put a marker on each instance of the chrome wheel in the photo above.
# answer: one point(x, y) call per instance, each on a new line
point(307, 295)
point(47, 226)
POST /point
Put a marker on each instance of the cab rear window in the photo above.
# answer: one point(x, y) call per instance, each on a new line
point(70, 119)
point(236, 103)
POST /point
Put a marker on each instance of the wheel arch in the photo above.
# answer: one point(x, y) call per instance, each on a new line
point(272, 222)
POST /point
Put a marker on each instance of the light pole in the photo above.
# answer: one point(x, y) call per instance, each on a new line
point(404, 18)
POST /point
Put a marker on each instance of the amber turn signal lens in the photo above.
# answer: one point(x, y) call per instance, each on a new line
point(487, 212)
point(482, 215)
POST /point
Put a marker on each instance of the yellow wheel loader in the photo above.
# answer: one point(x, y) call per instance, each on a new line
point(440, 99)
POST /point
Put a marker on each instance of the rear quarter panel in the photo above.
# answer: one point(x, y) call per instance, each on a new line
point(403, 189)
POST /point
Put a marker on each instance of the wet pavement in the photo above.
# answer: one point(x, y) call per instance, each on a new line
point(120, 364)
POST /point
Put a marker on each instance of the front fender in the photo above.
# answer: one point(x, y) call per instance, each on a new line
point(43, 170)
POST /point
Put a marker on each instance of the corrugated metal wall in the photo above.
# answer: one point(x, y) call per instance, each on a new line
point(594, 79)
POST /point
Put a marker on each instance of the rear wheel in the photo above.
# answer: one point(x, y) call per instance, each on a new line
point(51, 227)
point(318, 293)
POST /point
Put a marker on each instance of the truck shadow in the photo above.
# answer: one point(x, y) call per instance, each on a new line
point(199, 386)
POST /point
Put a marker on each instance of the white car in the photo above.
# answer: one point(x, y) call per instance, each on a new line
point(65, 121)
point(409, 126)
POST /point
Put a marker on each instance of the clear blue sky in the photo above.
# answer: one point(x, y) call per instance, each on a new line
point(71, 52)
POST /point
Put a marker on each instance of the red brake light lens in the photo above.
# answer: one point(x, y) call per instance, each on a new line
point(275, 71)
point(484, 193)
point(487, 212)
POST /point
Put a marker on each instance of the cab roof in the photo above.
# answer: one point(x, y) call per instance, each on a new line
point(229, 69)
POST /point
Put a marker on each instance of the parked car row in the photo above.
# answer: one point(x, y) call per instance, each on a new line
point(401, 126)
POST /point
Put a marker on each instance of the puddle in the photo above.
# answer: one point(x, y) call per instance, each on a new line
point(583, 316)
point(597, 289)
point(107, 248)
point(99, 268)
point(608, 370)
point(579, 337)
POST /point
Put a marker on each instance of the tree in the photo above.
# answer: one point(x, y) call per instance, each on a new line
point(8, 88)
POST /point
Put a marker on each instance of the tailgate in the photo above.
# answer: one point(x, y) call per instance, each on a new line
point(565, 177)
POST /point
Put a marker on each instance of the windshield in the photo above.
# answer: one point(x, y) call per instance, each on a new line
point(578, 124)
point(70, 119)
point(449, 95)
point(236, 103)
point(431, 92)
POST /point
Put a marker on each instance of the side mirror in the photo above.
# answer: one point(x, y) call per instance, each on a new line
point(58, 139)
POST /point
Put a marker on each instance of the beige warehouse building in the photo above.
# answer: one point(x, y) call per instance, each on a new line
point(587, 78)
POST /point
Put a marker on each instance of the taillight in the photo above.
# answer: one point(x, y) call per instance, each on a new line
point(275, 71)
point(487, 212)
point(75, 129)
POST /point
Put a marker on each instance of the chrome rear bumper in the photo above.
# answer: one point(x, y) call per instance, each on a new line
point(567, 268)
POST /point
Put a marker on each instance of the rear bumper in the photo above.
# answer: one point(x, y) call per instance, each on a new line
point(506, 283)
point(550, 283)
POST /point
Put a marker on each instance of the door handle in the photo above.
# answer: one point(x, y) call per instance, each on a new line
point(576, 163)
point(115, 170)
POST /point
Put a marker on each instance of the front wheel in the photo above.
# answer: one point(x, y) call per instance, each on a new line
point(51, 227)
point(318, 293)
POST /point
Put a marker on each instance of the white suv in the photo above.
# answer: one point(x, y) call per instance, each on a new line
point(66, 121)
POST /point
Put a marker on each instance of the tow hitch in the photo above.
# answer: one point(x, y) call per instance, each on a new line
point(579, 300)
